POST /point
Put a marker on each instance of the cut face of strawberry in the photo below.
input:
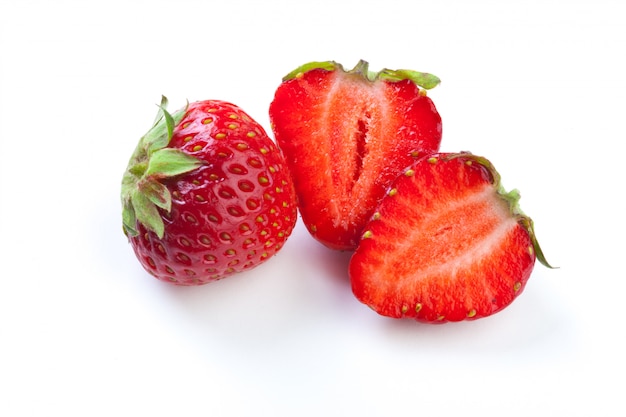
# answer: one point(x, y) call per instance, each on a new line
point(346, 135)
point(447, 243)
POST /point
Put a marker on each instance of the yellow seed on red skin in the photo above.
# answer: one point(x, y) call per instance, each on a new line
point(251, 134)
point(418, 307)
point(471, 313)
point(432, 160)
point(220, 135)
point(367, 235)
point(409, 173)
point(392, 192)
point(517, 286)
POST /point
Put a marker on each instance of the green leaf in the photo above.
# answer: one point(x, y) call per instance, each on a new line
point(164, 130)
point(163, 105)
point(169, 123)
point(129, 221)
point(327, 65)
point(147, 213)
point(529, 225)
point(422, 79)
point(156, 192)
point(169, 162)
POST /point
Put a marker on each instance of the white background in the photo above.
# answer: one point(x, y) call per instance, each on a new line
point(538, 87)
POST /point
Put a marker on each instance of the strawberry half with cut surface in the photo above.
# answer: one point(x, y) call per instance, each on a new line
point(447, 243)
point(206, 194)
point(346, 136)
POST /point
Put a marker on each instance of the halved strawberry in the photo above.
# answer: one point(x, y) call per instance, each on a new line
point(346, 136)
point(447, 243)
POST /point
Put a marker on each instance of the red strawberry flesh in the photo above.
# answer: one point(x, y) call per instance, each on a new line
point(346, 136)
point(446, 244)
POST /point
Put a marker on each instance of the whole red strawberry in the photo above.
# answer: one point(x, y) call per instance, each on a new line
point(346, 135)
point(206, 194)
point(447, 243)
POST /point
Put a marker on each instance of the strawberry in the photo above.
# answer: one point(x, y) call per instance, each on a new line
point(206, 194)
point(447, 243)
point(346, 135)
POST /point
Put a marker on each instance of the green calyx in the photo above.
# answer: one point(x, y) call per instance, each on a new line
point(143, 193)
point(422, 79)
point(511, 197)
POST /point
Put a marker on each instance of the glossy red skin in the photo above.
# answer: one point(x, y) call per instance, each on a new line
point(229, 215)
point(407, 268)
point(340, 178)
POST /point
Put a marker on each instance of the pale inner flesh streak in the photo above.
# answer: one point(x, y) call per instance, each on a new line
point(478, 222)
point(351, 141)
